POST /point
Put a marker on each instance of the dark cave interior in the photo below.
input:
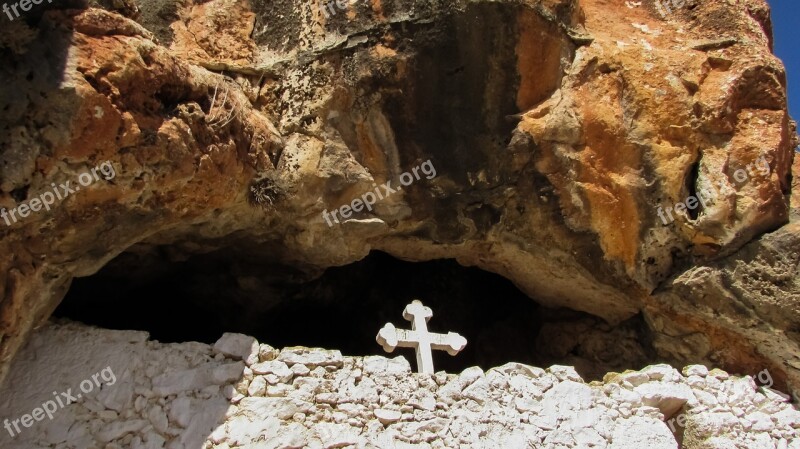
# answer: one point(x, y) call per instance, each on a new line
point(199, 298)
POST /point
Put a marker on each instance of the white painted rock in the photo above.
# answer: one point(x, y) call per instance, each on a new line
point(197, 378)
point(178, 396)
point(311, 357)
point(667, 397)
point(383, 366)
point(568, 396)
point(262, 408)
point(642, 433)
point(238, 346)
point(276, 367)
point(387, 416)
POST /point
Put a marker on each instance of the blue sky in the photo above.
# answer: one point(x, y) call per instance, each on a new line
point(786, 22)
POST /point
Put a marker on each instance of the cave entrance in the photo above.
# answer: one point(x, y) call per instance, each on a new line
point(199, 298)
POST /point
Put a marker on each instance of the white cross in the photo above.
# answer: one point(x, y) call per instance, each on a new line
point(419, 338)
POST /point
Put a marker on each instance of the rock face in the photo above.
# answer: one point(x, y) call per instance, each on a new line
point(557, 129)
point(153, 395)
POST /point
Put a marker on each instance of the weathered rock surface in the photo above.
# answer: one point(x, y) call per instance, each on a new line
point(753, 299)
point(557, 129)
point(372, 402)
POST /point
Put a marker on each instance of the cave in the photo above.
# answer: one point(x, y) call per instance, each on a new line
point(198, 298)
point(235, 127)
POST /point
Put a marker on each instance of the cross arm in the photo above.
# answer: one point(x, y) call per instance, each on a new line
point(453, 343)
point(389, 337)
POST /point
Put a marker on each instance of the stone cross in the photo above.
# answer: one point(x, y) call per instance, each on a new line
point(419, 338)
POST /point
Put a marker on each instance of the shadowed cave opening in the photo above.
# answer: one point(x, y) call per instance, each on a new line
point(200, 297)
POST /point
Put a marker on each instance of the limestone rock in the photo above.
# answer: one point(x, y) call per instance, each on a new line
point(311, 358)
point(376, 364)
point(119, 428)
point(282, 408)
point(560, 144)
point(387, 406)
point(238, 346)
point(387, 416)
point(276, 367)
point(267, 353)
point(227, 126)
point(196, 379)
point(667, 397)
point(638, 432)
point(257, 387)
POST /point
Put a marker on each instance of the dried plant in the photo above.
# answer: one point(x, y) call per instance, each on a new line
point(222, 113)
point(266, 192)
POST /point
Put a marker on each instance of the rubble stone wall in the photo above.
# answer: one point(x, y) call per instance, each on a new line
point(242, 394)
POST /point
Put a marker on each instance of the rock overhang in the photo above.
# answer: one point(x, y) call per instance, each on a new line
point(559, 197)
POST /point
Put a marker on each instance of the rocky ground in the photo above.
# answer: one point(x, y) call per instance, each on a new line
point(242, 394)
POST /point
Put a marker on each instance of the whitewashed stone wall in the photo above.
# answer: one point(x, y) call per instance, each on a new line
point(241, 394)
